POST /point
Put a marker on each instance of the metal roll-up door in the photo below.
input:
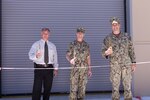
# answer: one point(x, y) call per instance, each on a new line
point(22, 21)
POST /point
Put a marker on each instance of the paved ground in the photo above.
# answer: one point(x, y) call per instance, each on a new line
point(89, 96)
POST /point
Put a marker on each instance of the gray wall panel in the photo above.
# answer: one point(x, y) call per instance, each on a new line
point(21, 24)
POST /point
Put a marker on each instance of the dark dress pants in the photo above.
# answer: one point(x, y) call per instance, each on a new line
point(42, 77)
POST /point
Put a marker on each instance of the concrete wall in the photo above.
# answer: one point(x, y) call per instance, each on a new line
point(139, 15)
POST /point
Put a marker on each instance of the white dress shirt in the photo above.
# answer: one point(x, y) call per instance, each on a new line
point(38, 46)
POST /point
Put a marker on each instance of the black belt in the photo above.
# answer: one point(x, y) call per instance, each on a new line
point(44, 65)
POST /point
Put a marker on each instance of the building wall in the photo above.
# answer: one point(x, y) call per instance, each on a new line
point(140, 29)
point(22, 21)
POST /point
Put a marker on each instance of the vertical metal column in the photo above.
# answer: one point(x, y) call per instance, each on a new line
point(0, 45)
point(125, 16)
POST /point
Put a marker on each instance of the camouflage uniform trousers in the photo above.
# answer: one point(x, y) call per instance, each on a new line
point(117, 74)
point(78, 83)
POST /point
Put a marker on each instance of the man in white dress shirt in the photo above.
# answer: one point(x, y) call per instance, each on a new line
point(44, 55)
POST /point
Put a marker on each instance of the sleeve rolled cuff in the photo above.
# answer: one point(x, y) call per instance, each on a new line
point(56, 66)
point(106, 57)
point(33, 58)
point(134, 62)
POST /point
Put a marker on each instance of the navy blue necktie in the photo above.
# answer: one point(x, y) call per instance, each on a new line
point(46, 53)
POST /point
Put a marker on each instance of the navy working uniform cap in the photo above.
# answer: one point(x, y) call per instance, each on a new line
point(81, 29)
point(115, 20)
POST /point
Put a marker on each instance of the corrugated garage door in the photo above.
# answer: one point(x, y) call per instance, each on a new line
point(22, 21)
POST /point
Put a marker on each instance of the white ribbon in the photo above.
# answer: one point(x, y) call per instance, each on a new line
point(103, 66)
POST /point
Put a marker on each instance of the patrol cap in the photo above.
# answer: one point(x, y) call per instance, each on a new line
point(81, 29)
point(115, 20)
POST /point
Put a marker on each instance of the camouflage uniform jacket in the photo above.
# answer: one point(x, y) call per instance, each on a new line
point(122, 46)
point(80, 51)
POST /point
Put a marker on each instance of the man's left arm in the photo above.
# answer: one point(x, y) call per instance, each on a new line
point(55, 62)
point(132, 54)
point(89, 64)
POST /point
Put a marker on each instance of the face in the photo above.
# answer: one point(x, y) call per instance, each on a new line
point(116, 28)
point(80, 36)
point(45, 35)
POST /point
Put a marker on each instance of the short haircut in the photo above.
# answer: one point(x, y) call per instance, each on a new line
point(45, 29)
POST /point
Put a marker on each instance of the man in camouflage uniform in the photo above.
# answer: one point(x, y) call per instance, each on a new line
point(118, 47)
point(78, 55)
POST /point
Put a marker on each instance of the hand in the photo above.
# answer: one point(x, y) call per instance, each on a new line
point(38, 54)
point(55, 72)
point(72, 61)
point(109, 51)
point(89, 73)
point(133, 67)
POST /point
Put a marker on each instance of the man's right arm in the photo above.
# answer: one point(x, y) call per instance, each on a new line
point(32, 52)
point(69, 54)
point(104, 48)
